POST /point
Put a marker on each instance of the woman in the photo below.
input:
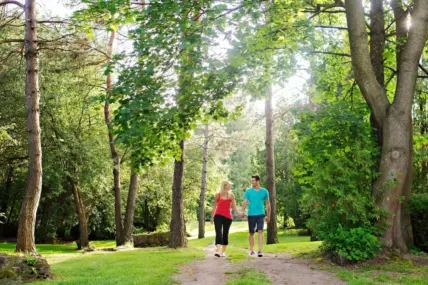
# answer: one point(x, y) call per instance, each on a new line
point(222, 217)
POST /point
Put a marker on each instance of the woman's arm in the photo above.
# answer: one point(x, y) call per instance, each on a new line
point(213, 211)
point(234, 207)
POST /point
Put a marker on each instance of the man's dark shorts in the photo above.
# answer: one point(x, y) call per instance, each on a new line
point(256, 222)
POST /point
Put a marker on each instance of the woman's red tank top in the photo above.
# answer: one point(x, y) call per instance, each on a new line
point(223, 207)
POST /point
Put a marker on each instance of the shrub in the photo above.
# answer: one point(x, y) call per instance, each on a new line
point(418, 206)
point(418, 203)
point(355, 244)
point(336, 166)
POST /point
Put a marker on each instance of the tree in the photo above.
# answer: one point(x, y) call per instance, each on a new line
point(201, 231)
point(114, 153)
point(394, 119)
point(27, 218)
point(178, 236)
point(272, 231)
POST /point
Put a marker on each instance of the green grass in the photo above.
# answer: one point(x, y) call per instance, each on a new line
point(42, 249)
point(157, 265)
point(248, 276)
point(46, 249)
point(139, 266)
point(398, 271)
point(354, 277)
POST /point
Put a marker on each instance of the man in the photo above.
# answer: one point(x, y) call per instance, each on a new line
point(256, 198)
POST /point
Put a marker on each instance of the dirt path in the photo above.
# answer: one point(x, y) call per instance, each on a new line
point(281, 269)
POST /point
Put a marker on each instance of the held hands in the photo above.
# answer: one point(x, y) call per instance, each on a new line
point(212, 220)
point(242, 214)
point(267, 219)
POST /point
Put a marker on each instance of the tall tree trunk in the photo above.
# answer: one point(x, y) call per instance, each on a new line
point(395, 119)
point(27, 218)
point(377, 47)
point(114, 155)
point(201, 233)
point(130, 208)
point(272, 230)
point(177, 226)
point(80, 210)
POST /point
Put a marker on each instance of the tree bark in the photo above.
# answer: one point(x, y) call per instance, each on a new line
point(27, 218)
point(395, 119)
point(130, 208)
point(114, 154)
point(177, 226)
point(377, 39)
point(201, 233)
point(80, 210)
point(377, 47)
point(272, 230)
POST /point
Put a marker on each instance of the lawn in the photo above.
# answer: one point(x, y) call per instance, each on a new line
point(147, 266)
point(158, 265)
point(398, 271)
point(135, 266)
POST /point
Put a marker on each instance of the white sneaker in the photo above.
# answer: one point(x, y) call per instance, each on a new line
point(223, 255)
point(252, 254)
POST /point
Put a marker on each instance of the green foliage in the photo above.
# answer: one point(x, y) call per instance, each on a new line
point(335, 167)
point(168, 82)
point(30, 260)
point(354, 244)
point(418, 203)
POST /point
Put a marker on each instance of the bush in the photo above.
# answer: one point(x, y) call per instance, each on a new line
point(336, 166)
point(418, 206)
point(418, 203)
point(354, 244)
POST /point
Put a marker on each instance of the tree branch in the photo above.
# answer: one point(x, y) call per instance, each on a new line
point(330, 53)
point(228, 11)
point(325, 7)
point(409, 59)
point(53, 22)
point(400, 16)
point(371, 90)
point(11, 41)
point(12, 2)
point(331, 27)
point(423, 69)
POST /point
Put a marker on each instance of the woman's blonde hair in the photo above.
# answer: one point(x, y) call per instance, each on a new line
point(223, 190)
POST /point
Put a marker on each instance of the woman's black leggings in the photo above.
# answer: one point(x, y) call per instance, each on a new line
point(222, 226)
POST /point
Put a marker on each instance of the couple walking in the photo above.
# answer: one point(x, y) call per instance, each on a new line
point(255, 198)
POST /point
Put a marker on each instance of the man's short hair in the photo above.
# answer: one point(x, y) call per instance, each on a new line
point(256, 177)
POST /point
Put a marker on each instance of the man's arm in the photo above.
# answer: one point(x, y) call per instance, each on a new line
point(268, 209)
point(241, 214)
point(244, 205)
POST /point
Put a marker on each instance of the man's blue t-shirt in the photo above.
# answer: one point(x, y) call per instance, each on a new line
point(256, 201)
